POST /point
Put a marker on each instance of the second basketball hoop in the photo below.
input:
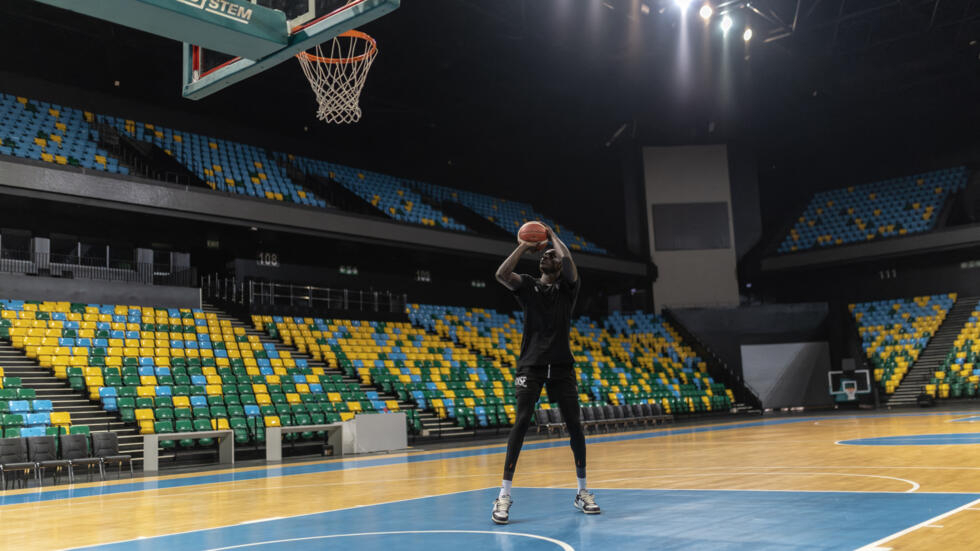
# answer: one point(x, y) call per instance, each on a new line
point(337, 70)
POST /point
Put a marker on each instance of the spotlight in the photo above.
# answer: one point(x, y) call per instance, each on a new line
point(705, 12)
point(644, 9)
point(683, 4)
point(747, 35)
point(726, 24)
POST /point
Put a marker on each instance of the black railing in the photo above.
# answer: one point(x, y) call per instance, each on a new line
point(72, 266)
point(272, 294)
point(227, 290)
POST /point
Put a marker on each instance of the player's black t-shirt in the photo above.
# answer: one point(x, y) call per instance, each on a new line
point(547, 319)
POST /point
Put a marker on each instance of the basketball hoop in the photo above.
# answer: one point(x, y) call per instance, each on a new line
point(337, 78)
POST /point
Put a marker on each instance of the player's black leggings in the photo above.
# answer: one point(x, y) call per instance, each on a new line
point(563, 388)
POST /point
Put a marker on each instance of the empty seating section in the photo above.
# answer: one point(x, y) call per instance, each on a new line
point(509, 215)
point(181, 370)
point(63, 135)
point(386, 193)
point(22, 414)
point(894, 332)
point(394, 357)
point(631, 360)
point(173, 370)
point(46, 132)
point(224, 165)
point(491, 334)
point(960, 373)
point(354, 346)
point(638, 358)
point(898, 206)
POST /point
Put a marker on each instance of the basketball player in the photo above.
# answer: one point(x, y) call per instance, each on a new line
point(546, 360)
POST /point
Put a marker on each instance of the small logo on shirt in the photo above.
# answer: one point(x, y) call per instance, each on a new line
point(521, 381)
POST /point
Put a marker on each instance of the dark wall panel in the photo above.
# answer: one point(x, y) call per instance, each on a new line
point(21, 287)
point(690, 226)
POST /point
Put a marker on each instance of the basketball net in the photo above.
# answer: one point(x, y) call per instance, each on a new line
point(337, 70)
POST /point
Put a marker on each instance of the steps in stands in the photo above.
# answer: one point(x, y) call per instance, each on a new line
point(464, 215)
point(63, 398)
point(431, 425)
point(336, 194)
point(434, 427)
point(934, 354)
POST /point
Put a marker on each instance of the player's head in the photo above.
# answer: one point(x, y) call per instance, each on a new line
point(550, 262)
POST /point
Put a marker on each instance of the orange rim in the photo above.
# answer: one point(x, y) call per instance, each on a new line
point(341, 60)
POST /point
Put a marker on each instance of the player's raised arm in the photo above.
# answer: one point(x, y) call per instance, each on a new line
point(505, 273)
point(568, 269)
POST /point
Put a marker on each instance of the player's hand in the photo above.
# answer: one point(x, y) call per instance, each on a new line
point(529, 246)
point(548, 230)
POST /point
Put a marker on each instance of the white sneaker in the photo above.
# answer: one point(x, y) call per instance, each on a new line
point(585, 502)
point(501, 510)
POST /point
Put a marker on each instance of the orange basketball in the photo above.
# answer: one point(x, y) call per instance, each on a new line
point(533, 232)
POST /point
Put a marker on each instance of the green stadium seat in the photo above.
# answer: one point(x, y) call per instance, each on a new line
point(164, 427)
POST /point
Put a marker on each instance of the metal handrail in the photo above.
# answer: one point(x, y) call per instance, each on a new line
point(269, 293)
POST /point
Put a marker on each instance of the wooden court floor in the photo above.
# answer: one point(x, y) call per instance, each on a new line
point(895, 480)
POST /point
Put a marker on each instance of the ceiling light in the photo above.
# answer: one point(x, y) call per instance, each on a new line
point(706, 12)
point(726, 24)
point(682, 4)
point(644, 9)
point(747, 35)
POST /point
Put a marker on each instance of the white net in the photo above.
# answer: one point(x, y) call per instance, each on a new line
point(337, 70)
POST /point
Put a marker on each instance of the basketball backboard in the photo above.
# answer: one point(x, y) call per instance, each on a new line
point(238, 27)
point(309, 22)
point(840, 381)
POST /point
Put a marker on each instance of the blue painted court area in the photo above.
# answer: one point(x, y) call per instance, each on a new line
point(917, 440)
point(544, 519)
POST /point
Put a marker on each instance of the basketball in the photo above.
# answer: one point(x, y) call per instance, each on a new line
point(533, 232)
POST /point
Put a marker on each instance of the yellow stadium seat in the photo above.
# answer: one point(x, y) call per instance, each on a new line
point(61, 418)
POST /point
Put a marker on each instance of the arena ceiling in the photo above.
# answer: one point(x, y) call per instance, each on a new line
point(484, 90)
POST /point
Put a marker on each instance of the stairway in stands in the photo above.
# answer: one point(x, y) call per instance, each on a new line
point(934, 354)
point(432, 426)
point(63, 398)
